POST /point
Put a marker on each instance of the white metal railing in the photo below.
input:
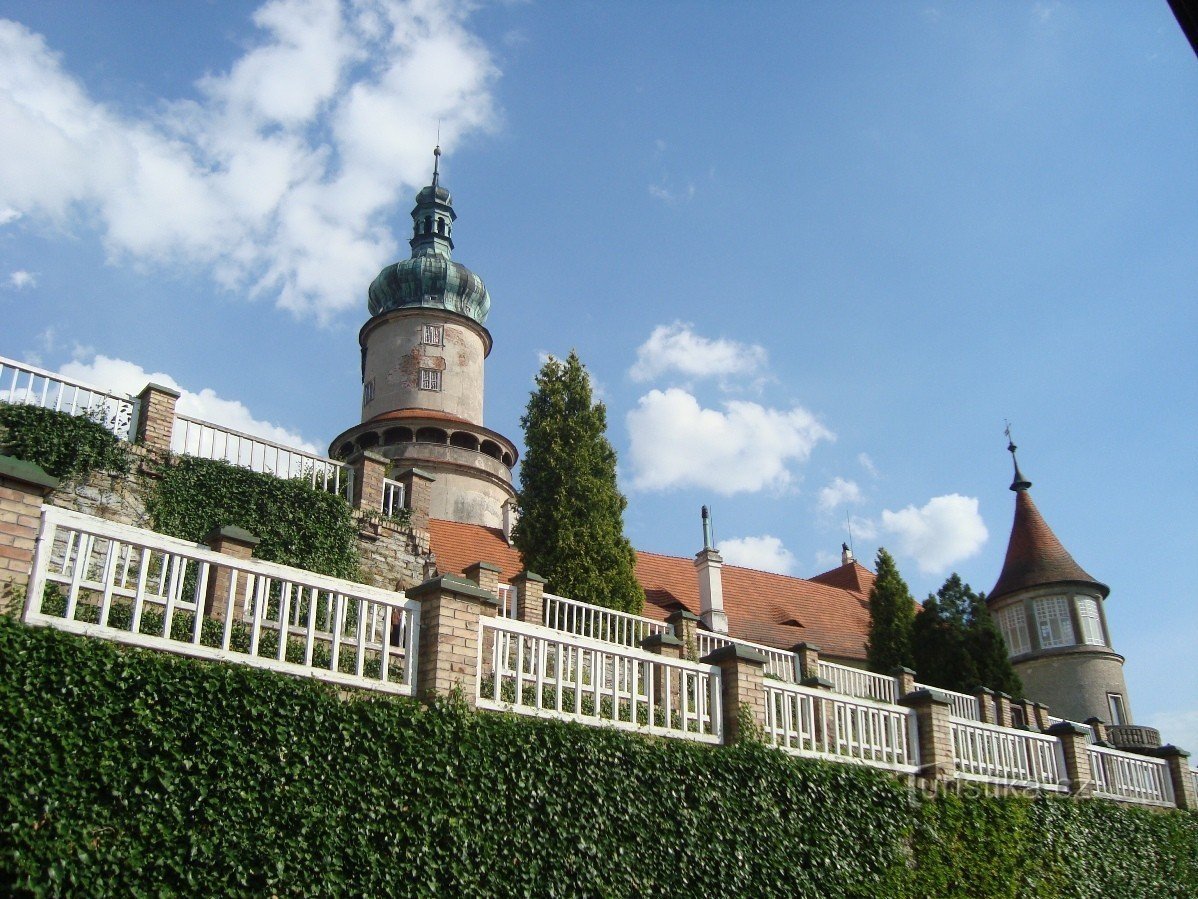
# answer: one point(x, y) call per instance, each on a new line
point(1004, 755)
point(856, 682)
point(129, 585)
point(779, 664)
point(1130, 777)
point(392, 497)
point(1052, 719)
point(193, 437)
point(534, 670)
point(507, 601)
point(806, 721)
point(21, 383)
point(963, 705)
point(598, 622)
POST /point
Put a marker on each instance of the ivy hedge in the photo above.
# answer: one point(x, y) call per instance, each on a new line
point(65, 446)
point(130, 773)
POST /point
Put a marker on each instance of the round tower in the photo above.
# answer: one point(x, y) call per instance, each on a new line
point(1050, 612)
point(423, 350)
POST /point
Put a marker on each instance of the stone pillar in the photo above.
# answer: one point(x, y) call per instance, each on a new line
point(1098, 728)
point(808, 654)
point(1077, 760)
point(530, 597)
point(485, 576)
point(447, 659)
point(709, 565)
point(742, 691)
point(156, 417)
point(1002, 709)
point(904, 680)
point(418, 495)
point(23, 486)
point(1184, 793)
point(936, 757)
point(369, 470)
point(237, 543)
point(686, 625)
point(985, 698)
point(667, 646)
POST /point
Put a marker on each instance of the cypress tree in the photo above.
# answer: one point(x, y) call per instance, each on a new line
point(571, 525)
point(891, 613)
point(989, 651)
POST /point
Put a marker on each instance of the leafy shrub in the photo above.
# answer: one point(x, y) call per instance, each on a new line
point(66, 446)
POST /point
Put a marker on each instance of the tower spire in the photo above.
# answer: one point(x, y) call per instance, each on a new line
point(1019, 483)
point(437, 163)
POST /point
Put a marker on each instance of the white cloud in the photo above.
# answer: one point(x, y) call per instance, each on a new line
point(945, 531)
point(678, 348)
point(119, 376)
point(765, 553)
point(867, 463)
point(1179, 727)
point(21, 279)
point(280, 175)
point(664, 193)
point(863, 528)
point(839, 493)
point(742, 449)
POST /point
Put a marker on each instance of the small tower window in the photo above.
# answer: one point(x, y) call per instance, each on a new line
point(1118, 711)
point(430, 379)
point(440, 225)
point(1091, 623)
point(428, 224)
point(433, 335)
point(368, 392)
point(1013, 624)
point(1053, 622)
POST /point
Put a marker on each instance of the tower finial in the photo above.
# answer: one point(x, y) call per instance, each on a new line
point(1020, 483)
point(437, 160)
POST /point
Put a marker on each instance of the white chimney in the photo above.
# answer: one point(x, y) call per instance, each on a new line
point(709, 565)
point(846, 554)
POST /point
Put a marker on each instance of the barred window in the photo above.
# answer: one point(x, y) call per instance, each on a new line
point(434, 335)
point(368, 391)
point(430, 379)
point(1091, 622)
point(1013, 624)
point(1053, 622)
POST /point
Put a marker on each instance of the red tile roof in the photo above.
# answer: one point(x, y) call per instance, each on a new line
point(418, 414)
point(773, 609)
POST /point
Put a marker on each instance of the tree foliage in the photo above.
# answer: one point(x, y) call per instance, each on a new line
point(891, 613)
point(64, 445)
point(956, 644)
point(571, 526)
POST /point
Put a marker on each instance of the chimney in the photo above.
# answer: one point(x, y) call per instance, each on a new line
point(708, 564)
point(846, 554)
point(509, 520)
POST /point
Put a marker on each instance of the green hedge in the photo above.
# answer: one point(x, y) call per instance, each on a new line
point(65, 446)
point(128, 773)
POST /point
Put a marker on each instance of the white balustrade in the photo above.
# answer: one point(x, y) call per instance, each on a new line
point(27, 384)
point(1004, 755)
point(779, 664)
point(963, 705)
point(822, 724)
point(598, 622)
point(1052, 719)
point(393, 497)
point(129, 585)
point(507, 601)
point(856, 682)
point(193, 437)
point(1130, 777)
point(534, 670)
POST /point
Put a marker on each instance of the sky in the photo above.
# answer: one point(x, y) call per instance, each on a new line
point(814, 256)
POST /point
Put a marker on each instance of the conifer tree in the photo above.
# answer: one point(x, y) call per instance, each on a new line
point(571, 525)
point(990, 652)
point(891, 612)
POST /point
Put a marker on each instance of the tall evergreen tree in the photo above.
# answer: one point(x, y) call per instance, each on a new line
point(571, 525)
point(891, 612)
point(989, 651)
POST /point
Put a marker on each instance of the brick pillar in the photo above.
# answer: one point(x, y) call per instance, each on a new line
point(742, 691)
point(1077, 760)
point(1184, 793)
point(936, 757)
point(1098, 728)
point(369, 470)
point(239, 544)
point(686, 627)
point(156, 417)
point(667, 646)
point(808, 654)
point(23, 486)
point(485, 576)
point(530, 597)
point(1028, 713)
point(904, 680)
point(1002, 709)
point(418, 495)
point(450, 609)
point(985, 698)
point(1040, 719)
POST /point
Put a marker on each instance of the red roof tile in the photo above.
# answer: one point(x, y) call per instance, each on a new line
point(758, 603)
point(418, 414)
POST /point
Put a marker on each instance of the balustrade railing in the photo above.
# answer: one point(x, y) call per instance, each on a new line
point(1003, 755)
point(779, 664)
point(963, 705)
point(193, 437)
point(538, 671)
point(1089, 737)
point(393, 497)
point(27, 384)
point(818, 723)
point(599, 623)
point(1127, 776)
point(125, 584)
point(855, 682)
point(507, 601)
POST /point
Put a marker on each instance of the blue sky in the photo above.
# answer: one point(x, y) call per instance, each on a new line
point(813, 254)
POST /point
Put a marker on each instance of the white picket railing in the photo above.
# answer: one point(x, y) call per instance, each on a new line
point(1130, 777)
point(599, 623)
point(193, 437)
point(507, 601)
point(129, 585)
point(856, 682)
point(1053, 719)
point(27, 384)
point(818, 723)
point(393, 497)
point(779, 664)
point(963, 705)
point(1003, 755)
point(538, 671)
